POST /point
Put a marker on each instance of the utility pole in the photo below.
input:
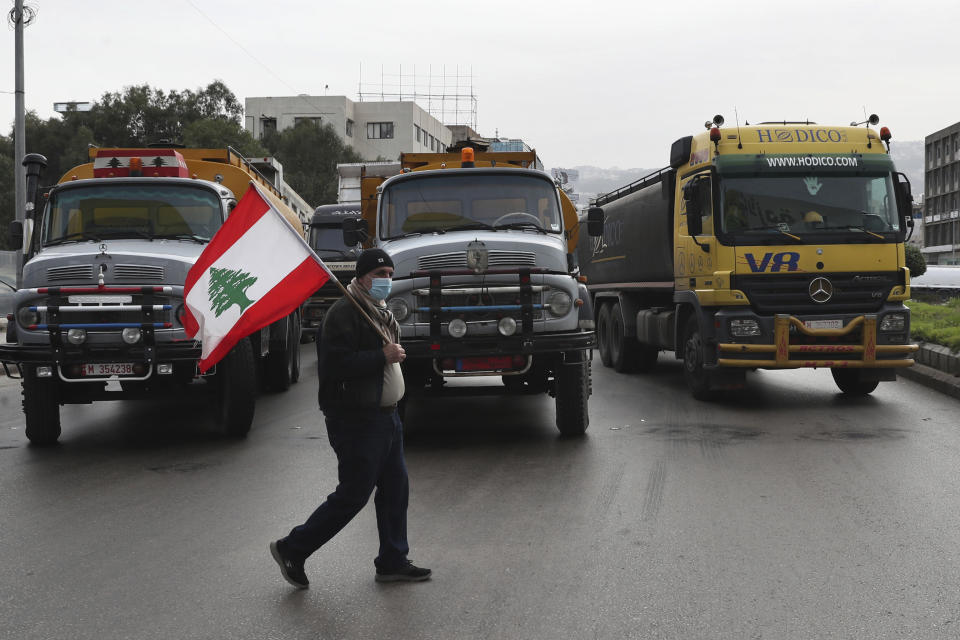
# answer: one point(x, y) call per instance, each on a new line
point(20, 180)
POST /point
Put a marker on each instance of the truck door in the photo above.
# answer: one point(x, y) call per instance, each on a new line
point(696, 243)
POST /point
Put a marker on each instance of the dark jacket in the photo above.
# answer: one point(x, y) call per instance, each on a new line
point(350, 360)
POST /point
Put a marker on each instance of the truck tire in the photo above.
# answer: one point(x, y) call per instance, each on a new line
point(624, 349)
point(646, 357)
point(572, 394)
point(283, 365)
point(296, 332)
point(41, 407)
point(696, 377)
point(236, 389)
point(851, 383)
point(603, 334)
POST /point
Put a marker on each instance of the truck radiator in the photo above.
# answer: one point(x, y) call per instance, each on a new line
point(791, 293)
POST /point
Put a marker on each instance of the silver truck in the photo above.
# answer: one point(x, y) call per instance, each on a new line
point(99, 315)
point(484, 284)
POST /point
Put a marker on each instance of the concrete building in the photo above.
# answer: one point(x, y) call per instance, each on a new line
point(375, 130)
point(941, 215)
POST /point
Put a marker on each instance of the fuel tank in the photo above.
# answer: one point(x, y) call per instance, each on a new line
point(637, 241)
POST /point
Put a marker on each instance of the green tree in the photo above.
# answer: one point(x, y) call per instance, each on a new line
point(915, 260)
point(215, 134)
point(7, 210)
point(228, 287)
point(310, 153)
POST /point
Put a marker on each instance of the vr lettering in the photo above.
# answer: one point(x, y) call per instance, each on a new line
point(776, 262)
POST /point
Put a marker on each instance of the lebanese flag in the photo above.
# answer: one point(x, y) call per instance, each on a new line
point(256, 270)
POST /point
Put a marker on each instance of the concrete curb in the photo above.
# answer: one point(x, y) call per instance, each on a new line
point(933, 378)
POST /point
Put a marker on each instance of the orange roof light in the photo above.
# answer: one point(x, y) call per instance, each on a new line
point(466, 155)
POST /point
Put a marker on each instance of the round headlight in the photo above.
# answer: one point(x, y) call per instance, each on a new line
point(399, 308)
point(457, 328)
point(76, 336)
point(131, 335)
point(26, 317)
point(507, 326)
point(560, 303)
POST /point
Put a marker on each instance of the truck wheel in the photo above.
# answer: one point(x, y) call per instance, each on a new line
point(572, 393)
point(296, 331)
point(41, 406)
point(236, 388)
point(696, 377)
point(624, 349)
point(850, 382)
point(283, 366)
point(646, 357)
point(603, 334)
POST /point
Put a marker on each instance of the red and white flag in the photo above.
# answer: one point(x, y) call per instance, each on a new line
point(256, 270)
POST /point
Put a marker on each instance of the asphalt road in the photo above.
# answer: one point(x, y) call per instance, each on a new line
point(785, 512)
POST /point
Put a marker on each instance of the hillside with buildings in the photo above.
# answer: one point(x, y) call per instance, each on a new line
point(591, 180)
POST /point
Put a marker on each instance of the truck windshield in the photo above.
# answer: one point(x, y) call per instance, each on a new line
point(102, 211)
point(825, 205)
point(477, 201)
point(328, 241)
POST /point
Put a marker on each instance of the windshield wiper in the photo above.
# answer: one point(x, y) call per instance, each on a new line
point(522, 225)
point(773, 229)
point(79, 236)
point(182, 236)
point(851, 227)
point(471, 226)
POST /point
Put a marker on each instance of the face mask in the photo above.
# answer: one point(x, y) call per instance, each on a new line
point(380, 288)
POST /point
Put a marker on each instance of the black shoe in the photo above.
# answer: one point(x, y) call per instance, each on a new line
point(405, 573)
point(292, 571)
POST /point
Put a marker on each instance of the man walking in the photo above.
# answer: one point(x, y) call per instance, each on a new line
point(360, 385)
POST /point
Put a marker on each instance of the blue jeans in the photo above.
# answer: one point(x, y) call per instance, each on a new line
point(369, 448)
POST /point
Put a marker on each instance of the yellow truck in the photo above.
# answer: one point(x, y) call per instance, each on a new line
point(100, 313)
point(766, 246)
point(484, 276)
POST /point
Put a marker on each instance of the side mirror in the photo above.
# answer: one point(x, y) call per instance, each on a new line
point(15, 233)
point(595, 219)
point(354, 231)
point(904, 196)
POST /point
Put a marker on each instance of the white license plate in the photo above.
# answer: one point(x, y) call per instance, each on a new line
point(107, 369)
point(823, 324)
point(98, 299)
point(341, 266)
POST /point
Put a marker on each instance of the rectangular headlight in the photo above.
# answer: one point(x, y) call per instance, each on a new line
point(744, 328)
point(893, 322)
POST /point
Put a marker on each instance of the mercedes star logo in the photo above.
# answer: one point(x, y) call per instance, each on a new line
point(820, 290)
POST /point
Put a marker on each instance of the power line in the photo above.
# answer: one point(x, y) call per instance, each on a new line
point(252, 57)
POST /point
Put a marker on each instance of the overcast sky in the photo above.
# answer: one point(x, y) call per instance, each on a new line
point(592, 82)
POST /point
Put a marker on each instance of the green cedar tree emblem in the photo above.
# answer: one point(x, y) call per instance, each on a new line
point(228, 287)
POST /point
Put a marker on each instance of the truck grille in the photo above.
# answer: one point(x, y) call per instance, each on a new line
point(93, 313)
point(458, 260)
point(138, 272)
point(476, 296)
point(71, 272)
point(790, 293)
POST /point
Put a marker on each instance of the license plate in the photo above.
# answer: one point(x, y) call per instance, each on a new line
point(341, 266)
point(491, 363)
point(100, 369)
point(823, 324)
point(98, 299)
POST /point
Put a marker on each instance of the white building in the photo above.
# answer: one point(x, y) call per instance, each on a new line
point(375, 130)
